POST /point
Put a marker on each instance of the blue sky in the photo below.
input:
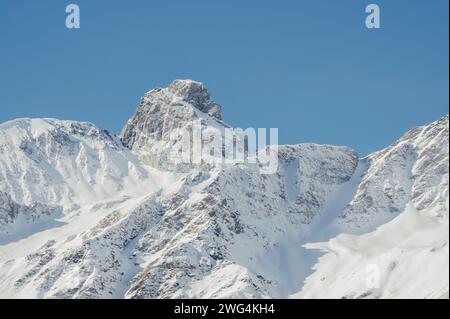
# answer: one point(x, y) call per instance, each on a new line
point(310, 68)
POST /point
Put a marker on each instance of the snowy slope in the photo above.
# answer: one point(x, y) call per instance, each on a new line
point(409, 179)
point(413, 169)
point(86, 215)
point(239, 230)
point(49, 167)
point(404, 258)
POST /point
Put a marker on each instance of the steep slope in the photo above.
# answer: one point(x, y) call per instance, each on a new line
point(48, 166)
point(413, 169)
point(237, 236)
point(409, 256)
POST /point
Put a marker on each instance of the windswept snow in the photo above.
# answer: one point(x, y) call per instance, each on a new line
point(405, 258)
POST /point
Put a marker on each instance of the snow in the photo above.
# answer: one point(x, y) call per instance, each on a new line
point(73, 168)
point(410, 253)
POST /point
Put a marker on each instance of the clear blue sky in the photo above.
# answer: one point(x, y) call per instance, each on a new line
point(310, 68)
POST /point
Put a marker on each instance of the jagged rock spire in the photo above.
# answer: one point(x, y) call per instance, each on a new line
point(196, 94)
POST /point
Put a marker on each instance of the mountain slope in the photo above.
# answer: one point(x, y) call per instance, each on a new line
point(48, 166)
point(413, 169)
point(408, 255)
point(404, 258)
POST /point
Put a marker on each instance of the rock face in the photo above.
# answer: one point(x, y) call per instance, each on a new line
point(9, 210)
point(83, 216)
point(161, 114)
point(196, 95)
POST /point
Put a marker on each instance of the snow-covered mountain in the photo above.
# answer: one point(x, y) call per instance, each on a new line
point(85, 214)
point(407, 256)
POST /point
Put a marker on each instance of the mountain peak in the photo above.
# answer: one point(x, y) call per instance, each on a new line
point(180, 84)
point(163, 111)
point(195, 93)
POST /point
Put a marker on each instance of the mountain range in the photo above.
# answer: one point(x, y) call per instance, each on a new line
point(88, 214)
